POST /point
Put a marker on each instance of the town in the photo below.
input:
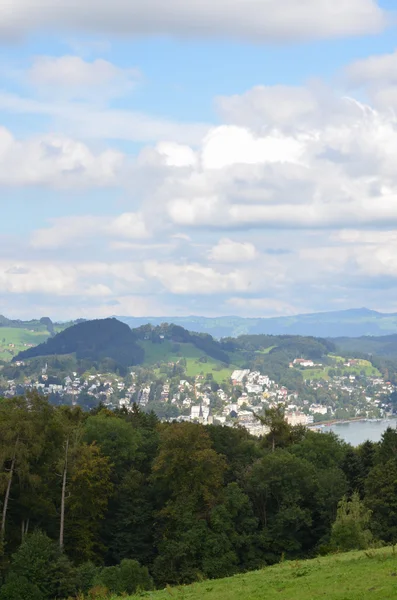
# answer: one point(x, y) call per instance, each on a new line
point(235, 402)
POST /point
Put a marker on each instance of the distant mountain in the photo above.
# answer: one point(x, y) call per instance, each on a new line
point(94, 340)
point(346, 323)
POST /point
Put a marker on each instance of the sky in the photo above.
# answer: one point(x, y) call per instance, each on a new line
point(235, 157)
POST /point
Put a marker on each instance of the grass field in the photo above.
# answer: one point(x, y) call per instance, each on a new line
point(370, 575)
point(362, 365)
point(170, 352)
point(19, 337)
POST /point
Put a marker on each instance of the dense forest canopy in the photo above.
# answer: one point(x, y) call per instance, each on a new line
point(121, 501)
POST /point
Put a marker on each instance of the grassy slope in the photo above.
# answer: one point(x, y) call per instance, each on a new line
point(363, 365)
point(166, 352)
point(19, 337)
point(350, 576)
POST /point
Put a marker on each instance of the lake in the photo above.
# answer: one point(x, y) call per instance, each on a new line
point(357, 432)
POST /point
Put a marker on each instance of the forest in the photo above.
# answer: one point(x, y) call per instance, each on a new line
point(96, 503)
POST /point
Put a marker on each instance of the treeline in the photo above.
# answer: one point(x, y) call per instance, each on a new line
point(292, 345)
point(118, 501)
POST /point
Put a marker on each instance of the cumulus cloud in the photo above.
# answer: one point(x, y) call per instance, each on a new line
point(230, 145)
point(230, 251)
point(316, 176)
point(326, 174)
point(66, 230)
point(56, 161)
point(259, 20)
point(197, 279)
point(72, 76)
point(61, 278)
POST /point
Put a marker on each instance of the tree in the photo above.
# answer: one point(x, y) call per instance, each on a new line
point(350, 530)
point(24, 422)
point(90, 488)
point(279, 429)
point(130, 526)
point(117, 440)
point(186, 468)
point(71, 421)
point(381, 499)
point(126, 578)
point(187, 478)
point(284, 491)
point(387, 448)
point(41, 563)
point(324, 451)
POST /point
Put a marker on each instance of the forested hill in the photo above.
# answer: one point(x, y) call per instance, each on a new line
point(94, 340)
point(385, 345)
point(110, 339)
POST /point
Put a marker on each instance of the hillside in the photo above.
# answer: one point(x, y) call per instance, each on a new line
point(385, 345)
point(350, 323)
point(350, 576)
point(95, 340)
point(17, 335)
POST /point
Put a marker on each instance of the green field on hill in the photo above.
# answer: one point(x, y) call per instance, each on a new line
point(323, 373)
point(169, 351)
point(18, 337)
point(370, 575)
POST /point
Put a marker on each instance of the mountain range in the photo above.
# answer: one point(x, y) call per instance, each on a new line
point(352, 323)
point(346, 323)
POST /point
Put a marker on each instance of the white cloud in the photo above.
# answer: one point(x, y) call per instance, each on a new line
point(229, 145)
point(197, 279)
point(61, 278)
point(67, 230)
point(330, 173)
point(262, 106)
point(229, 251)
point(291, 109)
point(377, 69)
point(258, 20)
point(88, 120)
point(377, 76)
point(176, 155)
point(71, 76)
point(56, 161)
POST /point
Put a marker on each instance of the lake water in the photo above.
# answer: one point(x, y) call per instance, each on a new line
point(357, 432)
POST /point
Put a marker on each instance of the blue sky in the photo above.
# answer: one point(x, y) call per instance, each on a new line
point(197, 158)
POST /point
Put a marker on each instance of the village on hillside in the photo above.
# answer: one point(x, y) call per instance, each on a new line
point(200, 399)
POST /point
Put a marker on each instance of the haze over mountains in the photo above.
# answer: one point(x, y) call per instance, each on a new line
point(356, 322)
point(346, 323)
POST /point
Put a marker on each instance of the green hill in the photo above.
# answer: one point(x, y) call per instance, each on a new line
point(196, 361)
point(385, 345)
point(370, 575)
point(14, 340)
point(95, 340)
point(16, 335)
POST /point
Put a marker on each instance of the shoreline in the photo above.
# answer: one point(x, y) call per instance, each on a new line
point(343, 421)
